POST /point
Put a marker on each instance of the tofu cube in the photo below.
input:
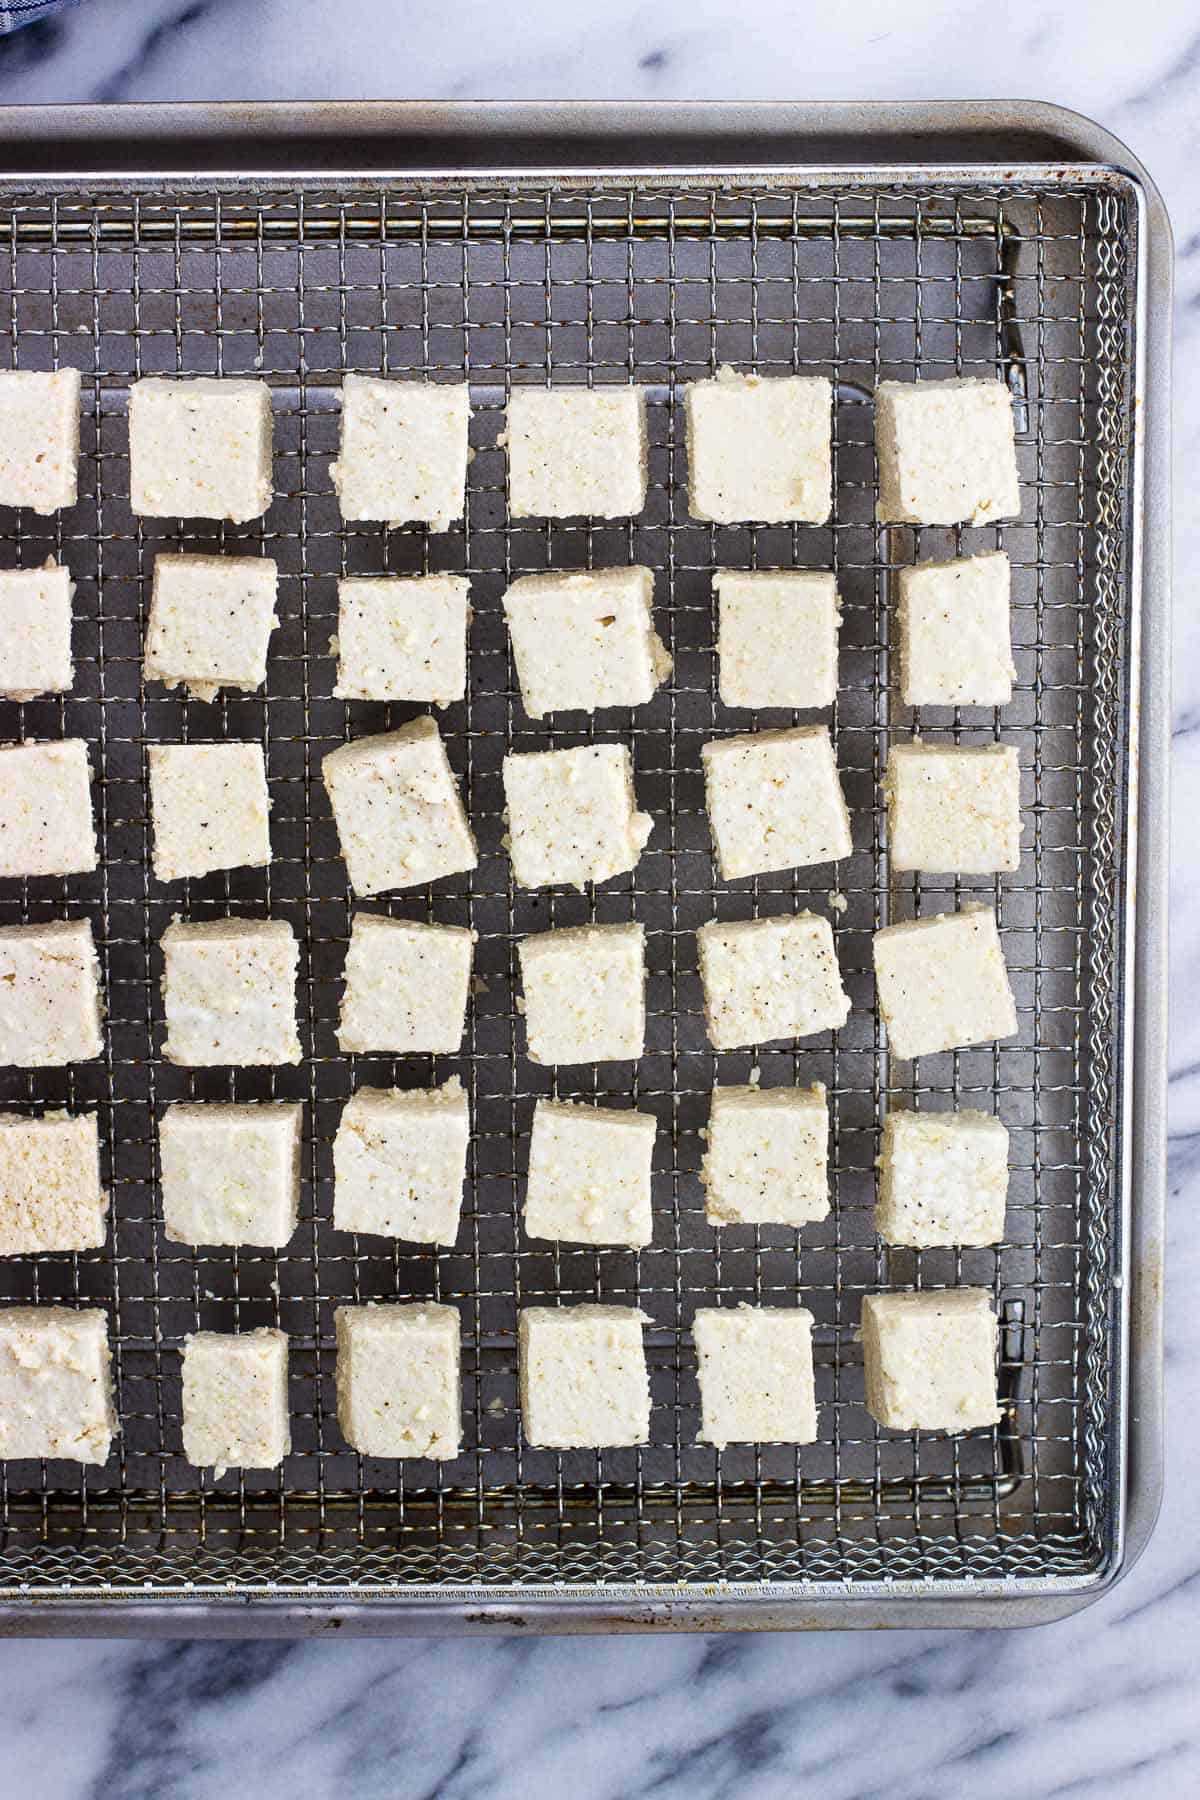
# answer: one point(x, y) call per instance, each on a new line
point(399, 814)
point(50, 1007)
point(211, 618)
point(50, 1193)
point(210, 805)
point(777, 637)
point(953, 808)
point(235, 1400)
point(35, 632)
point(399, 1381)
point(589, 1175)
point(404, 454)
point(399, 1163)
point(930, 1360)
point(585, 640)
point(229, 993)
point(775, 801)
point(946, 452)
point(200, 448)
point(943, 1179)
point(585, 994)
point(770, 978)
point(759, 449)
point(942, 982)
point(406, 987)
point(956, 633)
point(46, 825)
point(39, 439)
point(767, 1156)
point(403, 638)
point(55, 1384)
point(230, 1174)
point(584, 1381)
point(576, 453)
point(756, 1375)
point(572, 816)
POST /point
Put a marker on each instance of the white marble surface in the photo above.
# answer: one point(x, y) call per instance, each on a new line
point(1106, 1704)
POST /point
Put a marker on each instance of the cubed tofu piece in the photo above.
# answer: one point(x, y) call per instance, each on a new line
point(759, 449)
point(210, 807)
point(770, 978)
point(211, 618)
point(200, 448)
point(35, 632)
point(585, 640)
point(767, 1156)
point(50, 1008)
point(942, 982)
point(231, 1174)
point(585, 994)
point(55, 1384)
point(399, 814)
point(775, 801)
point(756, 1375)
point(399, 1162)
point(39, 439)
point(403, 638)
point(956, 632)
point(943, 1179)
point(953, 808)
point(46, 825)
point(931, 1359)
point(946, 452)
point(50, 1193)
point(406, 987)
point(584, 1381)
point(399, 1381)
point(235, 1400)
point(229, 992)
point(589, 1174)
point(777, 637)
point(572, 815)
point(576, 453)
point(404, 454)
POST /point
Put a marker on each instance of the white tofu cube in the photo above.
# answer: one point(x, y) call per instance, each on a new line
point(39, 439)
point(775, 801)
point(35, 632)
point(399, 1381)
point(584, 1381)
point(943, 1179)
point(777, 637)
point(759, 449)
point(50, 1007)
point(572, 816)
point(46, 825)
point(200, 448)
point(50, 1193)
point(953, 808)
point(770, 978)
point(406, 987)
point(403, 457)
point(55, 1384)
point(211, 618)
point(756, 1375)
point(210, 806)
point(767, 1158)
point(403, 638)
point(230, 1174)
point(589, 1174)
point(942, 982)
point(585, 994)
point(229, 992)
point(585, 640)
point(946, 452)
point(399, 1162)
point(956, 633)
point(930, 1360)
point(235, 1400)
point(399, 814)
point(576, 453)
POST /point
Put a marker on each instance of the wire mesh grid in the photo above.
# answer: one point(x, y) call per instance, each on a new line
point(584, 284)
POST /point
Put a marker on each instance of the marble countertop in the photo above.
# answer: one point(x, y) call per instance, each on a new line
point(1106, 1703)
